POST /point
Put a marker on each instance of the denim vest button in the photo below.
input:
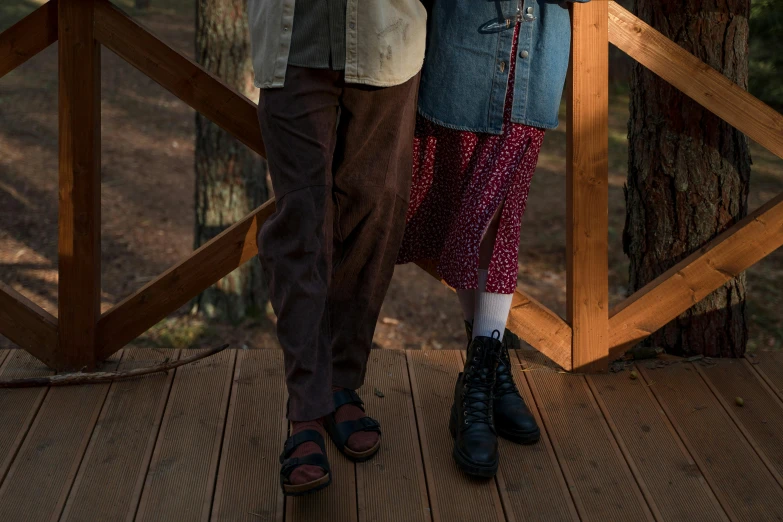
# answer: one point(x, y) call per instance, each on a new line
point(502, 66)
point(524, 54)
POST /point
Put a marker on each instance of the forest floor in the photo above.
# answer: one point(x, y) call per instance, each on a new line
point(148, 208)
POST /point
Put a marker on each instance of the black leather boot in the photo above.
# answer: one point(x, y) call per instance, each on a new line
point(513, 420)
point(471, 423)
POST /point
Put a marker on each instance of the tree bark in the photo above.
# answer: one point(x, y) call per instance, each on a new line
point(230, 178)
point(620, 64)
point(688, 171)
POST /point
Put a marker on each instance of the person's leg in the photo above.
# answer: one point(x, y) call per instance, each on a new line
point(295, 245)
point(373, 164)
point(491, 309)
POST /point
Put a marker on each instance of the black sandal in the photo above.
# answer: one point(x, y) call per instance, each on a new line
point(340, 432)
point(289, 464)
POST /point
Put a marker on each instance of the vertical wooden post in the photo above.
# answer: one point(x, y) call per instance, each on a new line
point(79, 212)
point(587, 186)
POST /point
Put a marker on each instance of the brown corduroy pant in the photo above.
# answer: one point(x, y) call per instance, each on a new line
point(340, 159)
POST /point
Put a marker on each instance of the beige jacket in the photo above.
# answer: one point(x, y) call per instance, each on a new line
point(385, 40)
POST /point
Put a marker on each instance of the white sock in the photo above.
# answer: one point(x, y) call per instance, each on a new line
point(467, 299)
point(491, 311)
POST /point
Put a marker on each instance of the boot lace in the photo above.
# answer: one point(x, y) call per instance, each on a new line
point(479, 384)
point(478, 397)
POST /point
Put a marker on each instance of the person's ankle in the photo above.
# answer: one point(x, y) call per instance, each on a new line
point(305, 474)
point(361, 440)
point(300, 426)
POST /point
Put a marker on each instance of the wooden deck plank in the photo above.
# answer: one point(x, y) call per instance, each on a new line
point(181, 478)
point(392, 486)
point(741, 481)
point(110, 479)
point(530, 474)
point(761, 416)
point(18, 407)
point(337, 503)
point(675, 484)
point(596, 471)
point(43, 471)
point(577, 468)
point(248, 486)
point(769, 366)
point(454, 497)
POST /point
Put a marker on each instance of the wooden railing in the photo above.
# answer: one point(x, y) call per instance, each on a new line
point(587, 339)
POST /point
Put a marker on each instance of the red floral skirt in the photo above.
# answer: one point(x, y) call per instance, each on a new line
point(460, 179)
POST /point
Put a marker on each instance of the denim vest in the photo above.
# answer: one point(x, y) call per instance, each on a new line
point(465, 74)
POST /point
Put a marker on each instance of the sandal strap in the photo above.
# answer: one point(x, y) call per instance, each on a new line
point(342, 431)
point(300, 438)
point(314, 459)
point(345, 396)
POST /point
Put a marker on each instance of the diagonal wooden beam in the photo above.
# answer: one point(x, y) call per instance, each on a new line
point(696, 276)
point(695, 79)
point(27, 325)
point(534, 323)
point(542, 329)
point(28, 37)
point(181, 76)
point(181, 283)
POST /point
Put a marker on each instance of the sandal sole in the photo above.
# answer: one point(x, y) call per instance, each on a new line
point(361, 456)
point(298, 490)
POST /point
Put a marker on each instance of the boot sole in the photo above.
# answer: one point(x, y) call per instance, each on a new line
point(467, 465)
point(520, 437)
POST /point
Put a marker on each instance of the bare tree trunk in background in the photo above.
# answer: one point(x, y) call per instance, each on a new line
point(230, 178)
point(688, 171)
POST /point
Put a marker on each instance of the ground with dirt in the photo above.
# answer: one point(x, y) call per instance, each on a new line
point(147, 205)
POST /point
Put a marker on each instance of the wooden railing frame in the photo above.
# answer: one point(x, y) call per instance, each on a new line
point(586, 340)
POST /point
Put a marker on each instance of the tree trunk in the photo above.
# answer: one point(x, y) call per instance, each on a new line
point(230, 178)
point(620, 64)
point(688, 171)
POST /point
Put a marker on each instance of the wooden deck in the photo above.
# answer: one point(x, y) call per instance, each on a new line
point(202, 443)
